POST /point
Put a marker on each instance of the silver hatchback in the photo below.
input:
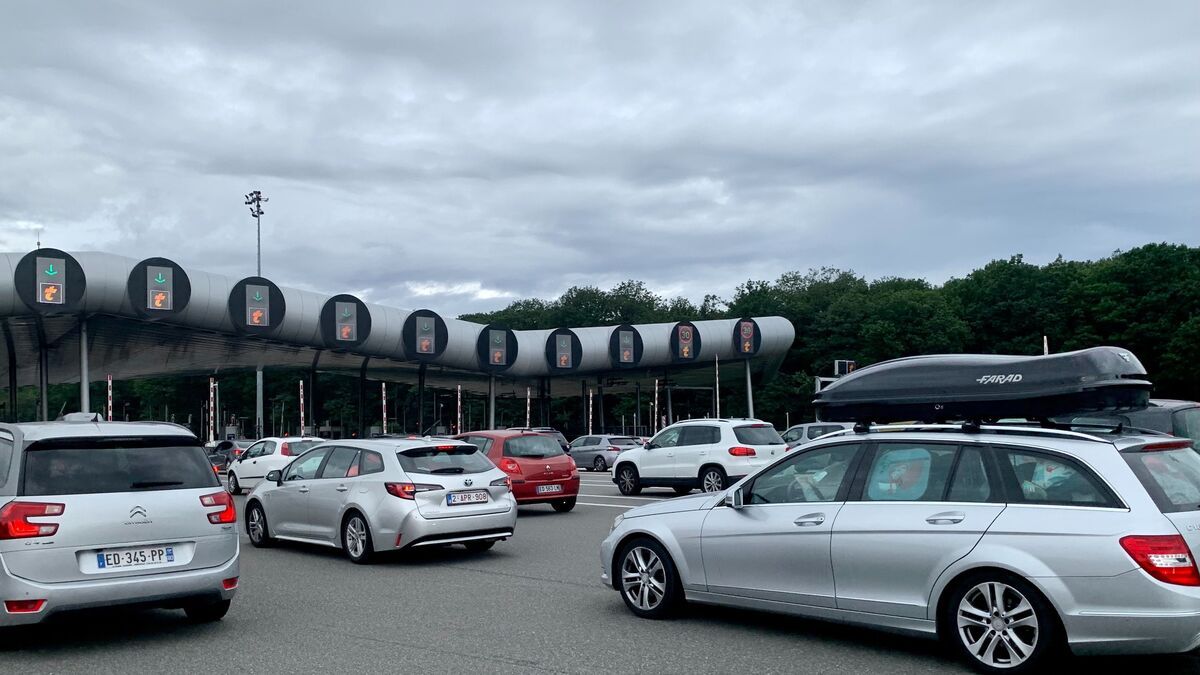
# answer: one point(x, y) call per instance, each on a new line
point(95, 514)
point(1006, 542)
point(371, 496)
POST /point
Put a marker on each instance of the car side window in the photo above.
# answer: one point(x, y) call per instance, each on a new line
point(306, 466)
point(370, 462)
point(909, 472)
point(1045, 478)
point(268, 448)
point(813, 476)
point(255, 450)
point(792, 434)
point(970, 482)
point(814, 432)
point(579, 442)
point(6, 453)
point(340, 461)
point(669, 438)
point(699, 435)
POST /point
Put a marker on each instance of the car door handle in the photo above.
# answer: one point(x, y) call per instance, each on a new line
point(810, 520)
point(947, 518)
point(303, 488)
point(342, 488)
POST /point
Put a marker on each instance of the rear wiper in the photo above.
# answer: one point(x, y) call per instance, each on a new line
point(154, 484)
point(448, 469)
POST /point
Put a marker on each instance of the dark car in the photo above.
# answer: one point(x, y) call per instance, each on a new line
point(1178, 418)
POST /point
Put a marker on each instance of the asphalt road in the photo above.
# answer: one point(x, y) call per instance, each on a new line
point(532, 604)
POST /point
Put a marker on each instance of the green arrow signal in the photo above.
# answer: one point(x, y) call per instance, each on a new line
point(50, 271)
point(160, 279)
point(257, 296)
point(346, 314)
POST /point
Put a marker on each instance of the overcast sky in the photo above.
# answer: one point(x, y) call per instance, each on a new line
point(464, 154)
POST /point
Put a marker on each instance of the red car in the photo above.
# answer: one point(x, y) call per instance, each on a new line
point(540, 471)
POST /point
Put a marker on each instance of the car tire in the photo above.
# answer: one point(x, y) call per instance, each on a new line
point(655, 592)
point(207, 612)
point(713, 479)
point(599, 465)
point(479, 546)
point(989, 604)
point(232, 484)
point(356, 539)
point(628, 481)
point(564, 505)
point(257, 528)
point(681, 491)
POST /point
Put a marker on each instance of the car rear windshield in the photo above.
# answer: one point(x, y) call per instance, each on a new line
point(1186, 424)
point(449, 459)
point(758, 434)
point(1172, 477)
point(298, 448)
point(97, 466)
point(535, 447)
point(621, 440)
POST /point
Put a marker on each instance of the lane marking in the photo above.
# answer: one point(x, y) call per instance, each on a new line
point(640, 499)
point(611, 506)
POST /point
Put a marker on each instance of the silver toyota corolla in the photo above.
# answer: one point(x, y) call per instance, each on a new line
point(1004, 542)
point(96, 514)
point(384, 495)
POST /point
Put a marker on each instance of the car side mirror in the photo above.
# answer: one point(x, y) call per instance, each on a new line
point(651, 446)
point(275, 477)
point(735, 499)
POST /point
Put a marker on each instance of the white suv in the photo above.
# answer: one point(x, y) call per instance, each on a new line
point(266, 455)
point(709, 454)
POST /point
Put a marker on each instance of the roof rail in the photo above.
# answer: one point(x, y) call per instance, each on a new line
point(971, 428)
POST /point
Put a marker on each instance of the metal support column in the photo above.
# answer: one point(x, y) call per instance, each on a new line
point(584, 409)
point(12, 373)
point(491, 402)
point(362, 398)
point(85, 381)
point(600, 407)
point(670, 407)
point(749, 393)
point(637, 409)
point(421, 400)
point(258, 402)
point(311, 396)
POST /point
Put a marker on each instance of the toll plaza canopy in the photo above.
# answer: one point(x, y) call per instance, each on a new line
point(141, 318)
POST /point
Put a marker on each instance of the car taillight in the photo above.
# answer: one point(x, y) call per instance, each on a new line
point(510, 465)
point(1164, 557)
point(1166, 445)
point(230, 583)
point(613, 448)
point(742, 451)
point(505, 482)
point(14, 519)
point(285, 449)
point(24, 606)
point(228, 512)
point(409, 490)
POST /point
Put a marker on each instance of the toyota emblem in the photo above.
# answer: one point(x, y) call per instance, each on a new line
point(468, 482)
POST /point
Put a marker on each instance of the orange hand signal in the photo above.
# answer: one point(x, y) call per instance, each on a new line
point(256, 317)
point(498, 357)
point(345, 332)
point(159, 298)
point(49, 291)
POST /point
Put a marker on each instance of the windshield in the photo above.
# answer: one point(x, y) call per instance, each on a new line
point(758, 434)
point(1187, 425)
point(448, 459)
point(621, 440)
point(534, 447)
point(96, 466)
point(1171, 477)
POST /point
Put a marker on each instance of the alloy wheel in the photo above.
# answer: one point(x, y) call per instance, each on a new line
point(998, 625)
point(643, 578)
point(356, 537)
point(232, 484)
point(628, 481)
point(256, 525)
point(713, 481)
point(599, 464)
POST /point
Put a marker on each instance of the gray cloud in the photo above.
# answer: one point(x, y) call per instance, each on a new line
point(458, 156)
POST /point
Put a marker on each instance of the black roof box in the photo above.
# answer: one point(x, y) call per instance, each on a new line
point(987, 387)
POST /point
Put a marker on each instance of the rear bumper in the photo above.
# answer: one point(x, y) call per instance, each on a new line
point(416, 530)
point(169, 589)
point(1127, 614)
point(526, 492)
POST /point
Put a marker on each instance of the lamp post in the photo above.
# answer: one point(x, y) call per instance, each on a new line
point(255, 200)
